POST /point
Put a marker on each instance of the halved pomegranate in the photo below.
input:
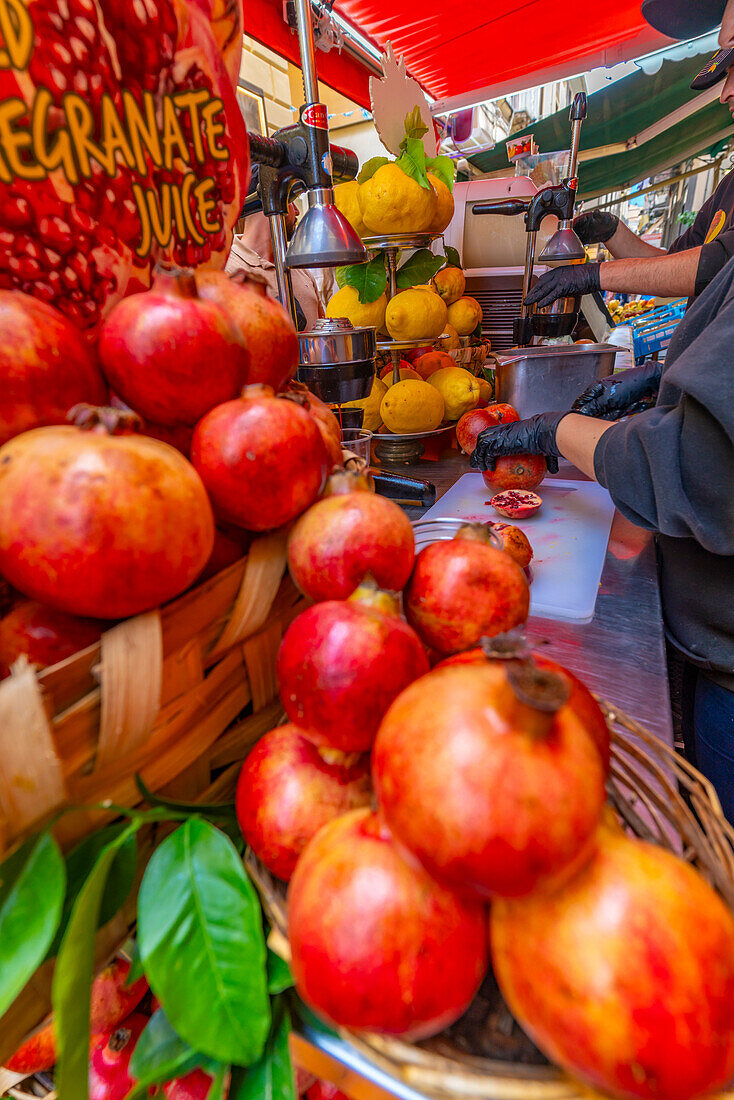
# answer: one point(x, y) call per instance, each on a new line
point(516, 503)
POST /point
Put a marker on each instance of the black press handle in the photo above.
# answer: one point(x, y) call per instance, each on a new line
point(578, 107)
point(506, 206)
point(400, 487)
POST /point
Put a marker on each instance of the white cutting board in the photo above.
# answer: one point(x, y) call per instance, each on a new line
point(568, 534)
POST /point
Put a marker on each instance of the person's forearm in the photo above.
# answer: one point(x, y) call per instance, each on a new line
point(667, 276)
point(577, 437)
point(627, 245)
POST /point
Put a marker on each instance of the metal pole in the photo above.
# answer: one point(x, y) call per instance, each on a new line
point(285, 283)
point(308, 51)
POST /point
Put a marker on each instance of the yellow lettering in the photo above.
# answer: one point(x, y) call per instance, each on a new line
point(214, 128)
point(58, 155)
point(80, 122)
point(160, 219)
point(143, 131)
point(182, 200)
point(190, 102)
point(146, 238)
point(5, 175)
point(205, 205)
point(13, 142)
point(16, 28)
point(172, 134)
point(114, 139)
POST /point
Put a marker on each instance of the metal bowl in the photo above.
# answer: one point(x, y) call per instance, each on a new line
point(386, 242)
point(334, 340)
point(441, 529)
point(336, 383)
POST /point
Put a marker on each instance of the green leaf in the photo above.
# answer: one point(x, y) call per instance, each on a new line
point(32, 885)
point(443, 168)
point(136, 970)
point(453, 259)
point(415, 127)
point(421, 267)
point(219, 1080)
point(271, 1077)
point(369, 280)
point(72, 980)
point(160, 1055)
point(340, 274)
point(201, 941)
point(413, 161)
point(369, 168)
point(80, 862)
point(279, 974)
point(201, 809)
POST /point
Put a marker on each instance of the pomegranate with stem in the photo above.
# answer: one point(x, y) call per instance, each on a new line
point(378, 944)
point(288, 788)
point(625, 975)
point(109, 1059)
point(489, 777)
point(98, 521)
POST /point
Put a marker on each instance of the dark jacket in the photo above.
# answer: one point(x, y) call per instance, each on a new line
point(671, 470)
point(713, 229)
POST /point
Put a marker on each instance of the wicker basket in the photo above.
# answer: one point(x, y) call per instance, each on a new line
point(662, 799)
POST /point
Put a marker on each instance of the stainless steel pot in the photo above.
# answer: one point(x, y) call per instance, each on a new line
point(549, 379)
point(337, 360)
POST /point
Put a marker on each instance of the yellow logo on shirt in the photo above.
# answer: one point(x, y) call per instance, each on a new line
point(719, 220)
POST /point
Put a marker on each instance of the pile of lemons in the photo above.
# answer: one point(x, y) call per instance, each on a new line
point(393, 202)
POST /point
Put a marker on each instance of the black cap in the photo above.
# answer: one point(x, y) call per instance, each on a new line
point(714, 70)
point(683, 18)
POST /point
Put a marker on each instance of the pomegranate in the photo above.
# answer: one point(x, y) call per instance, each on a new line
point(343, 538)
point(288, 788)
point(625, 975)
point(45, 365)
point(267, 331)
point(515, 543)
point(430, 362)
point(171, 355)
point(488, 776)
point(194, 1086)
point(344, 481)
point(230, 544)
point(324, 1090)
point(98, 521)
point(463, 590)
point(341, 664)
point(377, 944)
point(111, 1002)
point(472, 423)
point(326, 422)
point(516, 504)
point(580, 699)
point(109, 1059)
point(515, 472)
point(44, 635)
point(84, 229)
point(261, 458)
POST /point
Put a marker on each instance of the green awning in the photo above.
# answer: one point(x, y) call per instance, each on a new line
point(618, 113)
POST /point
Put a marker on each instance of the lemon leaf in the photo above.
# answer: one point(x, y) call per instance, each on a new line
point(340, 274)
point(443, 168)
point(421, 267)
point(453, 259)
point(369, 168)
point(415, 127)
point(369, 280)
point(413, 162)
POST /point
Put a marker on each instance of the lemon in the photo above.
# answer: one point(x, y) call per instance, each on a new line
point(444, 204)
point(392, 202)
point(371, 405)
point(451, 341)
point(405, 373)
point(346, 303)
point(412, 406)
point(450, 284)
point(486, 392)
point(416, 314)
point(465, 314)
point(458, 388)
point(346, 199)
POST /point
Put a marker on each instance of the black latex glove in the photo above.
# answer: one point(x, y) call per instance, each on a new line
point(534, 436)
point(620, 394)
point(596, 226)
point(564, 282)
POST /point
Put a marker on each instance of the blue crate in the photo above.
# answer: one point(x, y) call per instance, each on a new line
point(653, 332)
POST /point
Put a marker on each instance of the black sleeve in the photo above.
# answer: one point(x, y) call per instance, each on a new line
point(671, 469)
point(713, 257)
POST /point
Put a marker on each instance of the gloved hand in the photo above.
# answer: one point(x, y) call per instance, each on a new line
point(564, 282)
point(534, 436)
point(620, 394)
point(596, 226)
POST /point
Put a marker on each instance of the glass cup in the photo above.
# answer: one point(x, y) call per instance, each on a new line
point(359, 442)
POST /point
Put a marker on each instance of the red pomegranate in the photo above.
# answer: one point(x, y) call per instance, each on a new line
point(267, 331)
point(515, 472)
point(489, 777)
point(109, 1059)
point(86, 232)
point(46, 366)
point(194, 1086)
point(463, 590)
point(261, 458)
point(580, 699)
point(342, 539)
point(171, 355)
point(516, 503)
point(324, 1090)
point(288, 788)
point(100, 522)
point(377, 944)
point(326, 422)
point(470, 425)
point(44, 635)
point(341, 664)
point(624, 976)
point(111, 1001)
point(515, 543)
